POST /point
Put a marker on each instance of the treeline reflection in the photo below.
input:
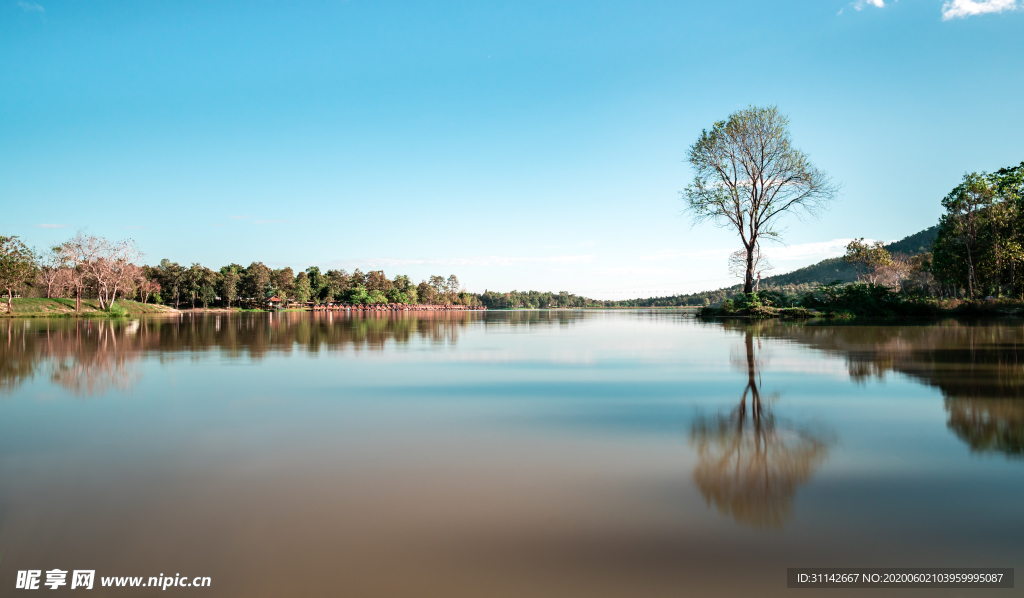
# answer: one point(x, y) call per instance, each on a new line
point(91, 356)
point(977, 367)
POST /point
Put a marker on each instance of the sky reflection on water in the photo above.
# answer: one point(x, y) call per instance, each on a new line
point(549, 453)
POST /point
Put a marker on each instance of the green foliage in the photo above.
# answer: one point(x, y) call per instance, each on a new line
point(301, 288)
point(869, 258)
point(357, 295)
point(979, 250)
point(17, 266)
point(845, 301)
point(116, 311)
point(534, 300)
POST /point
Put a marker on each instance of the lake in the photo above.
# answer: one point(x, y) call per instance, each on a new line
point(531, 453)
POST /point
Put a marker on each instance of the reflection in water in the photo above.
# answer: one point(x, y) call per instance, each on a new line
point(86, 357)
point(977, 366)
point(91, 356)
point(989, 424)
point(750, 462)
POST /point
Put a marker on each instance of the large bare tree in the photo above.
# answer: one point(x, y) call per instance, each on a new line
point(747, 174)
point(53, 273)
point(109, 266)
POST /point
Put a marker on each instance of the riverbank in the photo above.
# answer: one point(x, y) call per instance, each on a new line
point(64, 308)
point(859, 303)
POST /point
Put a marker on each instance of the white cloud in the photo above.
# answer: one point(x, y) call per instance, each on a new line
point(860, 4)
point(959, 9)
point(52, 226)
point(30, 6)
point(809, 251)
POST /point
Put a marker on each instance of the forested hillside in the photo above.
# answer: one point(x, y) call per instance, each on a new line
point(835, 268)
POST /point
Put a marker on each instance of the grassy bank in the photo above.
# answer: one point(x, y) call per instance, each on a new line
point(858, 301)
point(51, 308)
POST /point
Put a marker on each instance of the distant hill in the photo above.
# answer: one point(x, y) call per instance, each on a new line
point(823, 272)
point(835, 268)
point(917, 243)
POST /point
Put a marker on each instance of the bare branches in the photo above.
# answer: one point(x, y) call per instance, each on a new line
point(747, 174)
point(109, 267)
point(738, 264)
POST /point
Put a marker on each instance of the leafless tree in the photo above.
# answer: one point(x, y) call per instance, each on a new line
point(53, 273)
point(95, 260)
point(747, 174)
point(147, 287)
point(738, 265)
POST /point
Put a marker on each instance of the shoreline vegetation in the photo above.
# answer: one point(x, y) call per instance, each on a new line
point(966, 265)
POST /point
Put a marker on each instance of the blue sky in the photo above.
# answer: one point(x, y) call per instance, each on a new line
point(518, 145)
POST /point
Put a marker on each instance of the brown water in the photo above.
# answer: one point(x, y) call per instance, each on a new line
point(506, 454)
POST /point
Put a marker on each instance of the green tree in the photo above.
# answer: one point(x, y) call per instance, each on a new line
point(284, 281)
point(255, 279)
point(426, 293)
point(747, 174)
point(193, 282)
point(317, 282)
point(171, 277)
point(17, 266)
point(337, 282)
point(402, 283)
point(377, 281)
point(958, 247)
point(302, 289)
point(356, 295)
point(452, 288)
point(229, 281)
point(867, 258)
point(207, 294)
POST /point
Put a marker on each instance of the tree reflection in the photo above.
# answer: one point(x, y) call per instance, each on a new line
point(86, 357)
point(988, 424)
point(92, 356)
point(750, 463)
point(977, 366)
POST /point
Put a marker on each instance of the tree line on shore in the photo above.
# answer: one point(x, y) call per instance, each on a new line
point(91, 267)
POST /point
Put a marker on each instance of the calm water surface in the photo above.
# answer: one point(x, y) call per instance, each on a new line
point(507, 454)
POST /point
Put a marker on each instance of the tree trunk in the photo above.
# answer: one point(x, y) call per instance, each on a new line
point(748, 279)
point(10, 301)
